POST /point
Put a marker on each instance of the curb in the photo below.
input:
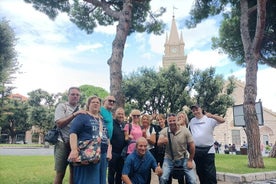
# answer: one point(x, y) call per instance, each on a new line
point(245, 178)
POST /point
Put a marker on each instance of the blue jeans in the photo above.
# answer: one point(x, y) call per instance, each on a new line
point(103, 167)
point(168, 166)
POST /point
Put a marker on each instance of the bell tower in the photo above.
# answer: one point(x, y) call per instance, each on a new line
point(174, 49)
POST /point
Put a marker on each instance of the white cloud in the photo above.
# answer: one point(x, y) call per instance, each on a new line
point(56, 54)
point(110, 30)
point(88, 47)
point(205, 59)
point(266, 91)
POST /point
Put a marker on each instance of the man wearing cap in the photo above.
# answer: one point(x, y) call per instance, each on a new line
point(181, 138)
point(202, 128)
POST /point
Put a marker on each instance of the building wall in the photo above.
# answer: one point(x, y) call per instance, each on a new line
point(225, 133)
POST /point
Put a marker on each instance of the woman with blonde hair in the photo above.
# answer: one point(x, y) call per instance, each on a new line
point(182, 119)
point(149, 133)
point(133, 130)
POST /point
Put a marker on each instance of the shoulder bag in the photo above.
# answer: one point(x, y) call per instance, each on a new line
point(178, 170)
point(52, 135)
point(89, 150)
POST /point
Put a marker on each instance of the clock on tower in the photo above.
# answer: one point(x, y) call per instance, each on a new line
point(174, 50)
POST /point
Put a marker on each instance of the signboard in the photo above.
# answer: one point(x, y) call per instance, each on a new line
point(239, 115)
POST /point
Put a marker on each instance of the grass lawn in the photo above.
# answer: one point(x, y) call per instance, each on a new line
point(238, 164)
point(40, 169)
point(27, 170)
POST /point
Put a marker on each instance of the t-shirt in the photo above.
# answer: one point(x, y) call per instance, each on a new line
point(108, 120)
point(138, 168)
point(202, 131)
point(179, 142)
point(136, 132)
point(63, 110)
point(86, 127)
point(118, 137)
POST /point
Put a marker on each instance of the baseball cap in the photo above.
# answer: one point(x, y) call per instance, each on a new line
point(195, 106)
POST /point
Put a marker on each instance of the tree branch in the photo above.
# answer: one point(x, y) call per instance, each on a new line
point(105, 6)
point(260, 26)
point(244, 26)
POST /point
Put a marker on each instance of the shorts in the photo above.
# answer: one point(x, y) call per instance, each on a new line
point(61, 153)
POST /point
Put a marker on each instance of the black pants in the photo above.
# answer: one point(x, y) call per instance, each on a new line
point(115, 167)
point(205, 168)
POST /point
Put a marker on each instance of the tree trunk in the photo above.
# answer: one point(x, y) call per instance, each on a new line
point(12, 132)
point(251, 51)
point(115, 62)
point(273, 151)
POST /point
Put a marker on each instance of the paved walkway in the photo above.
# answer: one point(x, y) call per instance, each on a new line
point(228, 178)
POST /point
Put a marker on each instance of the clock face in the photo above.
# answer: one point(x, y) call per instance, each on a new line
point(174, 49)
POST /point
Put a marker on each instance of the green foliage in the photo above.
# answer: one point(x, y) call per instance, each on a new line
point(41, 109)
point(86, 91)
point(169, 90)
point(40, 97)
point(14, 120)
point(50, 7)
point(88, 14)
point(229, 40)
point(89, 90)
point(209, 91)
point(8, 62)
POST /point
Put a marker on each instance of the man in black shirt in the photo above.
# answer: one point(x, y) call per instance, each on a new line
point(116, 164)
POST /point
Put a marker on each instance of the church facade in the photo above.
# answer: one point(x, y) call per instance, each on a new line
point(226, 133)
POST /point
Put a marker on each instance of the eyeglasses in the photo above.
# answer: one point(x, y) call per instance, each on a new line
point(136, 116)
point(111, 101)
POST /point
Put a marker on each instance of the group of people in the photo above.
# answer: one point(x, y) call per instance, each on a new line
point(158, 147)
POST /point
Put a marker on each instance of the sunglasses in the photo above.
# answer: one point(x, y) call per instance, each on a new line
point(136, 116)
point(111, 101)
point(171, 114)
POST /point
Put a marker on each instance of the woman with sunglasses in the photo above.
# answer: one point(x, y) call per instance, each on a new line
point(133, 130)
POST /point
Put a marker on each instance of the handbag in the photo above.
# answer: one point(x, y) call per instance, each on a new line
point(89, 151)
point(178, 170)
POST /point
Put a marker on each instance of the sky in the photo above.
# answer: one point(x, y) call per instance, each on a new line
point(55, 55)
